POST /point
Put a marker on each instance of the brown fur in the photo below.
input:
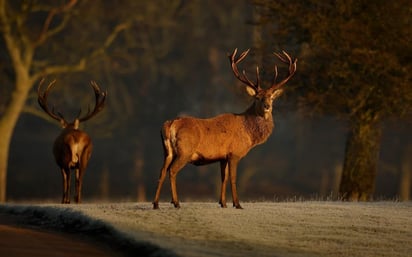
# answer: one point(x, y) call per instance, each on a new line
point(72, 150)
point(226, 138)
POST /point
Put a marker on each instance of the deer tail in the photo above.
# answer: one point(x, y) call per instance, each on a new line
point(75, 149)
point(167, 137)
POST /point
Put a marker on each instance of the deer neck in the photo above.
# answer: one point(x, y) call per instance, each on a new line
point(258, 127)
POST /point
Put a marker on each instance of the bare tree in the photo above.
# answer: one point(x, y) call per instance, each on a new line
point(22, 44)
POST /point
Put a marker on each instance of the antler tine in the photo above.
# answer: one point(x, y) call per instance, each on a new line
point(257, 76)
point(285, 58)
point(42, 100)
point(282, 58)
point(242, 56)
point(100, 98)
point(292, 68)
point(242, 76)
point(46, 92)
point(39, 86)
point(275, 76)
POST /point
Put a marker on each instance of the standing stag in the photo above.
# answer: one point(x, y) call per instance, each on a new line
point(226, 138)
point(72, 148)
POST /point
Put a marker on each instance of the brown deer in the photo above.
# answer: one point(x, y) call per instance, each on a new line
point(226, 138)
point(72, 148)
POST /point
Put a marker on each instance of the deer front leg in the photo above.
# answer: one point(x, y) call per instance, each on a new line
point(66, 185)
point(175, 200)
point(224, 173)
point(233, 161)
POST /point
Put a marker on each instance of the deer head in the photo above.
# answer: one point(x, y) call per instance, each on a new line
point(263, 97)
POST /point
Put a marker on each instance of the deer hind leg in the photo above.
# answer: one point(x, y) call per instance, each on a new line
point(224, 173)
point(177, 164)
point(83, 161)
point(163, 171)
point(79, 184)
point(66, 185)
point(168, 158)
point(232, 172)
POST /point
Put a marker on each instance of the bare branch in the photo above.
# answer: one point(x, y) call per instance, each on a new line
point(46, 32)
point(81, 65)
point(58, 69)
point(30, 109)
point(111, 37)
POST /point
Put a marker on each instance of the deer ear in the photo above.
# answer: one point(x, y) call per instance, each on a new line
point(277, 93)
point(76, 124)
point(251, 91)
point(63, 123)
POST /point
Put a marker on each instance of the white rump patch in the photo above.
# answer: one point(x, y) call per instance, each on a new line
point(173, 138)
point(75, 150)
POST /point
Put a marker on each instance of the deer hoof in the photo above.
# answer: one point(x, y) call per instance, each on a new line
point(237, 206)
point(223, 205)
point(155, 206)
point(176, 204)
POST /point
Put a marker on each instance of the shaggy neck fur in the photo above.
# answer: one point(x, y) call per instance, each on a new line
point(258, 127)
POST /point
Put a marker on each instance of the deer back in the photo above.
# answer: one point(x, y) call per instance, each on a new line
point(213, 139)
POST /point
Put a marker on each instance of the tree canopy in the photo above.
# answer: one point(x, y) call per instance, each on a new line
point(355, 62)
point(354, 55)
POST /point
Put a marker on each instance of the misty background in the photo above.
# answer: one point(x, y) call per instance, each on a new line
point(171, 61)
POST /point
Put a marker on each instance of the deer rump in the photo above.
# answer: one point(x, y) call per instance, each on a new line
point(204, 141)
point(74, 146)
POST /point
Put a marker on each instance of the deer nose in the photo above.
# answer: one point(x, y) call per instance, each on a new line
point(266, 106)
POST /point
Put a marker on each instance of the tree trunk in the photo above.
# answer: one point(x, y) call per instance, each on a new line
point(4, 157)
point(361, 161)
point(138, 174)
point(406, 171)
point(7, 124)
point(337, 176)
point(21, 56)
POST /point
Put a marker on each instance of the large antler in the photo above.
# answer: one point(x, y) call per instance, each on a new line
point(242, 77)
point(42, 100)
point(284, 57)
point(100, 98)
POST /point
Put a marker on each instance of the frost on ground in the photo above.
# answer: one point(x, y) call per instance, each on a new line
point(261, 229)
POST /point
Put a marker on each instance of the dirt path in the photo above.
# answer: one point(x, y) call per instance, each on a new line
point(16, 241)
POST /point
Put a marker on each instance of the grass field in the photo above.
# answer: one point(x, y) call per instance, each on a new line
point(260, 229)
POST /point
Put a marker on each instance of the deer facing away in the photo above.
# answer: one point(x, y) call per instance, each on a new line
point(72, 148)
point(226, 138)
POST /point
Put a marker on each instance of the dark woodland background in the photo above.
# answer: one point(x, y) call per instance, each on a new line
point(172, 60)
